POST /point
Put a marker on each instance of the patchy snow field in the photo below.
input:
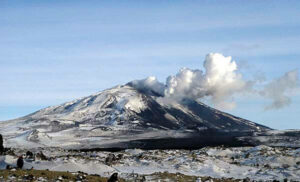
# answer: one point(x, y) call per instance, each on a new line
point(256, 163)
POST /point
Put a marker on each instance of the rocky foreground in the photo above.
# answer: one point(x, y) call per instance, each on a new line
point(259, 163)
point(55, 176)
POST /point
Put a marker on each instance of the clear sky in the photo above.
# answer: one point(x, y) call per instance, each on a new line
point(56, 51)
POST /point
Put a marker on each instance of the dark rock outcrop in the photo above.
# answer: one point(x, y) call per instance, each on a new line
point(1, 144)
point(20, 162)
point(113, 178)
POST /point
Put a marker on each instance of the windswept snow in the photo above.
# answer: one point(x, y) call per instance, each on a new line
point(135, 104)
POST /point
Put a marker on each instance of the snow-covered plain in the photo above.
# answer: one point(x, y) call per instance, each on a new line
point(256, 163)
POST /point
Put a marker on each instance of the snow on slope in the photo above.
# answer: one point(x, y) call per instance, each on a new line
point(117, 115)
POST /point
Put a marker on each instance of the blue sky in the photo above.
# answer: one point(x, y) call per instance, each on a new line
point(56, 51)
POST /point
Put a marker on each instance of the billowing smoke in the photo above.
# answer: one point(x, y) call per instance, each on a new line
point(150, 83)
point(277, 90)
point(219, 82)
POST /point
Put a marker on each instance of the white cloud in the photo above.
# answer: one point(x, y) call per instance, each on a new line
point(278, 89)
point(220, 82)
point(150, 83)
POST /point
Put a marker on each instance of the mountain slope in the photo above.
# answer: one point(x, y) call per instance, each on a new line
point(126, 117)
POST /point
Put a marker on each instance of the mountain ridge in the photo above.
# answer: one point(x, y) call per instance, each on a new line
point(127, 117)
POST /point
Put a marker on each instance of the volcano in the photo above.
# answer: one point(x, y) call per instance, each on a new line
point(128, 117)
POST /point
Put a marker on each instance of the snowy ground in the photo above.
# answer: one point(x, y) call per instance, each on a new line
point(256, 163)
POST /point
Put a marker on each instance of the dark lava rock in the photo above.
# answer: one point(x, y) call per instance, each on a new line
point(113, 178)
point(20, 162)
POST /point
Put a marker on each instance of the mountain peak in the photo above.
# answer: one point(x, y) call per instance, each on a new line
point(120, 115)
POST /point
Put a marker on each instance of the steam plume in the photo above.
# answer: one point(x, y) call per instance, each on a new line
point(277, 90)
point(220, 82)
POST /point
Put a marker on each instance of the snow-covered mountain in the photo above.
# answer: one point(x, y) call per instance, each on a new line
point(127, 117)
